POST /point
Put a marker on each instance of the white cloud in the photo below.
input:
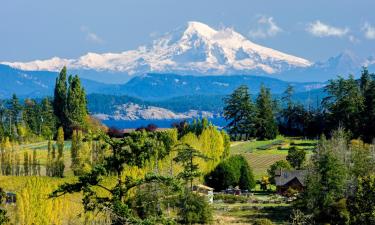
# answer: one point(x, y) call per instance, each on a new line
point(353, 39)
point(368, 30)
point(267, 27)
point(320, 29)
point(91, 36)
point(94, 38)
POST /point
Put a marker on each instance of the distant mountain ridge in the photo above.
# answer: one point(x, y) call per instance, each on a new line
point(163, 86)
point(153, 96)
point(35, 83)
point(147, 87)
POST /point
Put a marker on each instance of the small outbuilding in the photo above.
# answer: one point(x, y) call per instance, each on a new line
point(205, 190)
point(286, 179)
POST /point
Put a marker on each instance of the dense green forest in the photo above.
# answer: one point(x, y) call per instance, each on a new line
point(349, 104)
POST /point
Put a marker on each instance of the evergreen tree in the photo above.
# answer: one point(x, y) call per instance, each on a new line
point(15, 108)
point(31, 116)
point(367, 85)
point(60, 98)
point(232, 172)
point(326, 180)
point(186, 155)
point(76, 104)
point(129, 151)
point(265, 120)
point(344, 104)
point(240, 112)
point(361, 207)
point(48, 119)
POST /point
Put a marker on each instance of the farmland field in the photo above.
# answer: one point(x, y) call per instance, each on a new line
point(262, 154)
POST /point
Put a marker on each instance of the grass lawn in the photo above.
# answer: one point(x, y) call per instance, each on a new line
point(247, 213)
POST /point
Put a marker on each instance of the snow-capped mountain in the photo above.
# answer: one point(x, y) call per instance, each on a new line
point(194, 49)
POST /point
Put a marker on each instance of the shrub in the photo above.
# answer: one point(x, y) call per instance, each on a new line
point(262, 222)
point(291, 192)
point(194, 209)
point(234, 171)
point(230, 199)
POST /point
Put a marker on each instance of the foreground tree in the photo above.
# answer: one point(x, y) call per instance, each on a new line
point(134, 150)
point(361, 207)
point(193, 207)
point(326, 182)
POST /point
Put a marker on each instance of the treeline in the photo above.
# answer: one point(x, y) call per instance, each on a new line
point(64, 116)
point(35, 120)
point(349, 104)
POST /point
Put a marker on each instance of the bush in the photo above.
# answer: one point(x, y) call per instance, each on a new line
point(230, 199)
point(194, 209)
point(291, 192)
point(262, 222)
point(234, 171)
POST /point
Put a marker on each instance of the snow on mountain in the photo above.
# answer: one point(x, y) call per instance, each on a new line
point(132, 111)
point(196, 48)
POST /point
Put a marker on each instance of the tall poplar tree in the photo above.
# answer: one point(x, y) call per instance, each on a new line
point(60, 95)
point(76, 104)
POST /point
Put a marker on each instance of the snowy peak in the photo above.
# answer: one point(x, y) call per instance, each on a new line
point(202, 29)
point(195, 49)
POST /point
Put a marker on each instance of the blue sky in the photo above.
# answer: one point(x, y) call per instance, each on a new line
point(315, 30)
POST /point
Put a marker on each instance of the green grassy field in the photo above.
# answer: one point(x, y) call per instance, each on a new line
point(262, 154)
